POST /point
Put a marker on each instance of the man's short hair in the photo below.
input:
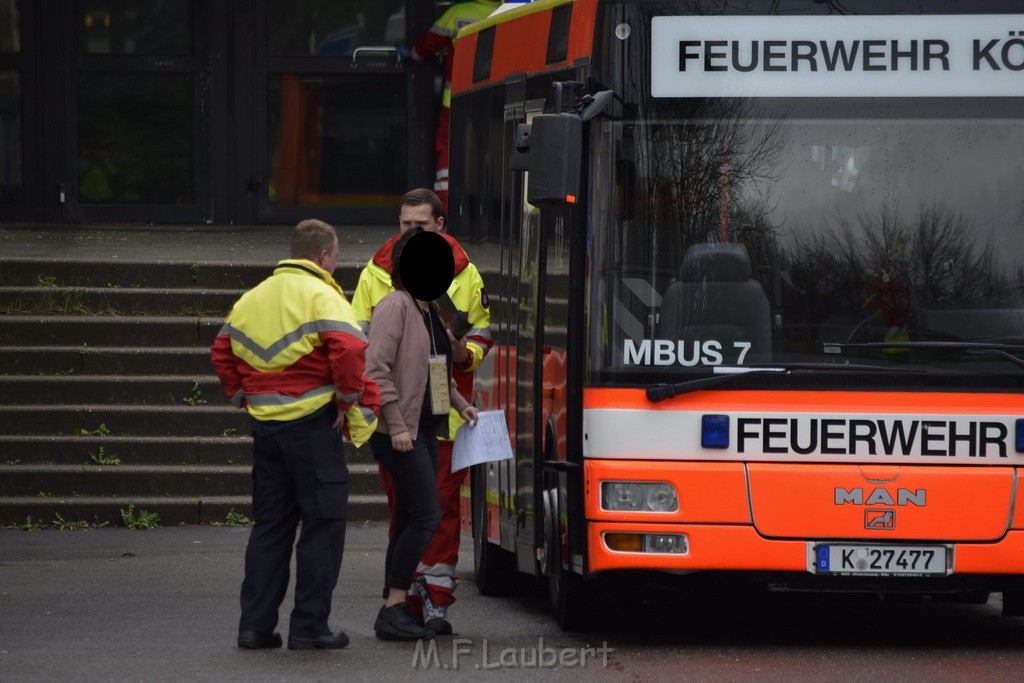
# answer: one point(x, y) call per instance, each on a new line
point(312, 236)
point(420, 196)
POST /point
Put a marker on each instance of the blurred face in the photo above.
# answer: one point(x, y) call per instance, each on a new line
point(421, 215)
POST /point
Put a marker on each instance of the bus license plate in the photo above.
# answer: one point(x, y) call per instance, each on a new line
point(879, 560)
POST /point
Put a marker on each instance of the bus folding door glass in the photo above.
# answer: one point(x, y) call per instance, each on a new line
point(332, 28)
point(135, 133)
point(134, 27)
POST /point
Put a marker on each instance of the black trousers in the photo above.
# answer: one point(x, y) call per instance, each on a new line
point(416, 506)
point(298, 473)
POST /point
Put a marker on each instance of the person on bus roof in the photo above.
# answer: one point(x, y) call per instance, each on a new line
point(440, 39)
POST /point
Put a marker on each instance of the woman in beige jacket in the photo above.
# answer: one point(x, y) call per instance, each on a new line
point(406, 338)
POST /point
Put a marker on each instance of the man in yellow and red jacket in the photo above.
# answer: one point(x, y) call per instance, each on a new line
point(435, 576)
point(440, 39)
point(292, 354)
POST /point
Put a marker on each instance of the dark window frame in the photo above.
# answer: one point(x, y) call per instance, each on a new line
point(558, 34)
point(484, 54)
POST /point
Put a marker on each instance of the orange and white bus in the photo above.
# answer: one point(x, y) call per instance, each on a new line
point(761, 302)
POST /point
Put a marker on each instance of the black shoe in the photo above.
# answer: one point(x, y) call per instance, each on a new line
point(439, 626)
point(328, 641)
point(251, 640)
point(413, 614)
point(395, 623)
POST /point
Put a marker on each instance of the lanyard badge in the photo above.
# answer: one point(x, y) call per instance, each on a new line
point(440, 403)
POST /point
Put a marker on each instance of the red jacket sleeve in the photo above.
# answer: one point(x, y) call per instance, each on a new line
point(430, 44)
point(347, 355)
point(225, 364)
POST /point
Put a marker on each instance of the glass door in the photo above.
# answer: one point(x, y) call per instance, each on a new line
point(138, 90)
point(23, 118)
point(335, 132)
point(11, 66)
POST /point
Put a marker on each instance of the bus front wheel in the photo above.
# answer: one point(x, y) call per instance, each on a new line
point(491, 564)
point(571, 600)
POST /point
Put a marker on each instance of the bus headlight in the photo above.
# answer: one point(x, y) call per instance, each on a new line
point(638, 496)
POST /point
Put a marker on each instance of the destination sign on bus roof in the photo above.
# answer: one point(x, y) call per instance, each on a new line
point(838, 56)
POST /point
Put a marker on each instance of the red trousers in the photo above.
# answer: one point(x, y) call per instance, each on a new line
point(437, 565)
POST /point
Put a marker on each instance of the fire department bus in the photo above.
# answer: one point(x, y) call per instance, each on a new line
point(760, 312)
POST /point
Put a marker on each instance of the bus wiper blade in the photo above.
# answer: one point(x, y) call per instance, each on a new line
point(660, 392)
point(970, 347)
point(936, 345)
point(725, 374)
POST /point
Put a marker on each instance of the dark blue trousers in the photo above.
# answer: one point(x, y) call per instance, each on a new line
point(298, 473)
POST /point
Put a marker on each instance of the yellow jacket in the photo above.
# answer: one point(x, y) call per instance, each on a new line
point(291, 345)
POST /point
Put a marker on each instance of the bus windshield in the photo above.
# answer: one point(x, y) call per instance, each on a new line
point(757, 232)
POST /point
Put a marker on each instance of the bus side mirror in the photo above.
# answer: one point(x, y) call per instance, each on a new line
point(555, 151)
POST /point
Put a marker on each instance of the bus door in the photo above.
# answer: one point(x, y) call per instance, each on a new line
point(542, 340)
point(555, 472)
point(528, 330)
point(500, 380)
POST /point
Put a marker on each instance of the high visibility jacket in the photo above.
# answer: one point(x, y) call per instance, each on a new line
point(291, 345)
point(441, 36)
point(467, 293)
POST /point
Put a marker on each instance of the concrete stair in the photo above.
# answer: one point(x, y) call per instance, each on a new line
point(108, 361)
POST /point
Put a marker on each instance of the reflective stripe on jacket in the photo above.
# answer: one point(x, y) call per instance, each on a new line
point(291, 345)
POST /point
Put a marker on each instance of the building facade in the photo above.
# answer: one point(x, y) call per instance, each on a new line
point(213, 112)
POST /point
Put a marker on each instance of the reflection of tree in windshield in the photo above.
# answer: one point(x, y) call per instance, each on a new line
point(887, 267)
point(684, 181)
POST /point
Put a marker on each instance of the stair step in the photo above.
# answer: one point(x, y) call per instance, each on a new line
point(148, 480)
point(135, 390)
point(149, 450)
point(65, 361)
point(117, 301)
point(124, 480)
point(106, 331)
point(46, 273)
point(123, 420)
point(173, 510)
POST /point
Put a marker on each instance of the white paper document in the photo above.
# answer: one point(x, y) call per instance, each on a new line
point(486, 442)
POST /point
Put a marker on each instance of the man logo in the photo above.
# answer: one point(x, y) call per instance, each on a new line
point(879, 519)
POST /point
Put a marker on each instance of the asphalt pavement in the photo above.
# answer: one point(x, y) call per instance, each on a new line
point(113, 604)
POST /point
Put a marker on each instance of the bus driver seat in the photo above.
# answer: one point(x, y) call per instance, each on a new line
point(716, 299)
